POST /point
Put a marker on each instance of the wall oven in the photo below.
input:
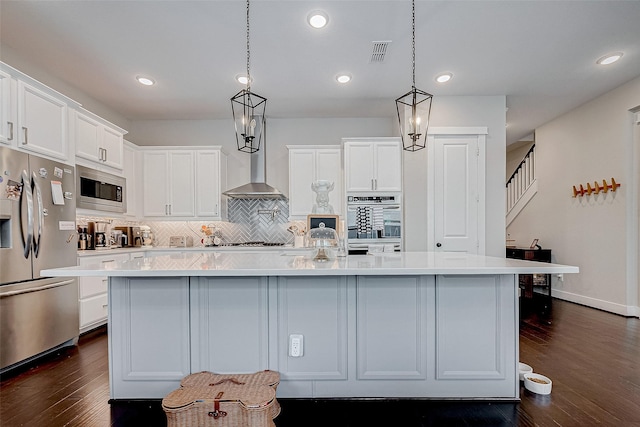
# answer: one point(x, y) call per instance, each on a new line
point(373, 220)
point(100, 191)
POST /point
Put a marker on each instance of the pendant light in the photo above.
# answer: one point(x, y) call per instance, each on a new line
point(248, 112)
point(414, 107)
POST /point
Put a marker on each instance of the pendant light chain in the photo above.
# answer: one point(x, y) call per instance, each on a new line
point(413, 39)
point(248, 50)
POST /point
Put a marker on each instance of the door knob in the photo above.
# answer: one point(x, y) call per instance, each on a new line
point(438, 244)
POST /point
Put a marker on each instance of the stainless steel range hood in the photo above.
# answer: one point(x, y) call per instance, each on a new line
point(258, 187)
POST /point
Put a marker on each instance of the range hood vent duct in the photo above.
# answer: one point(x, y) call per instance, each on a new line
point(258, 187)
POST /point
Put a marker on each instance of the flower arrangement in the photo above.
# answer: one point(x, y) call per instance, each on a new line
point(206, 230)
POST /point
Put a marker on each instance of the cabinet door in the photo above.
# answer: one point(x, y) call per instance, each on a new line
point(207, 194)
point(129, 173)
point(301, 175)
point(7, 109)
point(328, 167)
point(358, 166)
point(87, 136)
point(112, 144)
point(181, 183)
point(388, 166)
point(149, 316)
point(43, 122)
point(155, 183)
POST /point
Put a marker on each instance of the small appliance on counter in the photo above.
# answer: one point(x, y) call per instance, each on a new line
point(100, 236)
point(131, 236)
point(147, 235)
point(117, 239)
point(180, 241)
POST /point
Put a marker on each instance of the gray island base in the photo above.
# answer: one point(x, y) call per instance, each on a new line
point(426, 325)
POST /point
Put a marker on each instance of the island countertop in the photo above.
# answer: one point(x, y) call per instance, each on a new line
point(300, 263)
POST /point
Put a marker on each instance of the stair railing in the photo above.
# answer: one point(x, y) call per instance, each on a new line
point(520, 181)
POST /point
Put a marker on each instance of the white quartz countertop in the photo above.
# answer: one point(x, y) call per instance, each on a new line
point(300, 263)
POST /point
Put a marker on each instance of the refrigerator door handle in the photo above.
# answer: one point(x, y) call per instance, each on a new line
point(26, 185)
point(39, 288)
point(36, 242)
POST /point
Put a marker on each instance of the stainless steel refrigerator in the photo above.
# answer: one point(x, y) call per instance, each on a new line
point(37, 231)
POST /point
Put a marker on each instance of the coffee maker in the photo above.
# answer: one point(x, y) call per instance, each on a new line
point(99, 230)
point(131, 236)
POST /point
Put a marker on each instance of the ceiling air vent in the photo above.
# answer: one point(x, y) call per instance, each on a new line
point(379, 51)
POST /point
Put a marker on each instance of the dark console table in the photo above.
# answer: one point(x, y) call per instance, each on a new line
point(535, 288)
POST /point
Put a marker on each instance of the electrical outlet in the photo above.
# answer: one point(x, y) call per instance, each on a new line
point(296, 345)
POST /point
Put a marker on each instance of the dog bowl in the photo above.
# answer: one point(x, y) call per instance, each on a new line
point(524, 369)
point(537, 383)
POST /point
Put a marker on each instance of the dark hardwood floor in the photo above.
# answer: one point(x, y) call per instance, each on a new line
point(593, 358)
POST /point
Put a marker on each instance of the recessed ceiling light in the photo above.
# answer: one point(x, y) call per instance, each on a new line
point(343, 78)
point(609, 58)
point(444, 77)
point(318, 19)
point(147, 81)
point(242, 79)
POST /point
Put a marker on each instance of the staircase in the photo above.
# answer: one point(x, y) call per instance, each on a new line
point(522, 186)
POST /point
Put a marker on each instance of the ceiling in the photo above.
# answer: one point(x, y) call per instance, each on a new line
point(539, 54)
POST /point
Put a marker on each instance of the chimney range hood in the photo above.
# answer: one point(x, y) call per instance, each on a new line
point(258, 187)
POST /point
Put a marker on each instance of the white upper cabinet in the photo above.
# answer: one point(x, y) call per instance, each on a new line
point(8, 87)
point(168, 183)
point(306, 165)
point(42, 122)
point(35, 118)
point(211, 180)
point(170, 187)
point(98, 140)
point(131, 172)
point(373, 164)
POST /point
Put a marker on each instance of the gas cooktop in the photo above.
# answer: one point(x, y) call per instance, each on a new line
point(252, 244)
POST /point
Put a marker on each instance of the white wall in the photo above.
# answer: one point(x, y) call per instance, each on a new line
point(592, 142)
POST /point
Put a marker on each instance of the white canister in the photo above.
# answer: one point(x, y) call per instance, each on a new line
point(298, 241)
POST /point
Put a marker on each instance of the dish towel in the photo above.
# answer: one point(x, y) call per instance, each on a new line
point(363, 219)
point(377, 221)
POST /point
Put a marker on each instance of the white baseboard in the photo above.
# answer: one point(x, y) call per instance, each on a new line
point(624, 310)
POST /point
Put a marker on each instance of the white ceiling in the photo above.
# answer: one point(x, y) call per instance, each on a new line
point(540, 54)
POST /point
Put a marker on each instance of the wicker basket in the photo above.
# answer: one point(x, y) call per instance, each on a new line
point(230, 400)
point(205, 378)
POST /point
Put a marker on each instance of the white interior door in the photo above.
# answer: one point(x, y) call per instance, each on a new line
point(457, 202)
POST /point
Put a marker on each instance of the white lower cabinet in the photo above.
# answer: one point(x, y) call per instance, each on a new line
point(229, 324)
point(445, 336)
point(93, 292)
point(149, 339)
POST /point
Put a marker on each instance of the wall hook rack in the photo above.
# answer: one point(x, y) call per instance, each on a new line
point(596, 188)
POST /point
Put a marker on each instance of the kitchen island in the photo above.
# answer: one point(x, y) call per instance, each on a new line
point(411, 324)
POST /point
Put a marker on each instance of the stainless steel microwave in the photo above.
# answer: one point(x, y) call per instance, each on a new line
point(100, 191)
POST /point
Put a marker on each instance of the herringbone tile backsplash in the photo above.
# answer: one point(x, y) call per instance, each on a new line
point(250, 220)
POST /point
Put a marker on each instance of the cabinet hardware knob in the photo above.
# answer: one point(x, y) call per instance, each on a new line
point(438, 244)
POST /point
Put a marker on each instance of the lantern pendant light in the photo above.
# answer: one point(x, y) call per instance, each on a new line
point(414, 107)
point(248, 112)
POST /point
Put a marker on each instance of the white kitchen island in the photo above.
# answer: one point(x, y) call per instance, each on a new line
point(412, 324)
